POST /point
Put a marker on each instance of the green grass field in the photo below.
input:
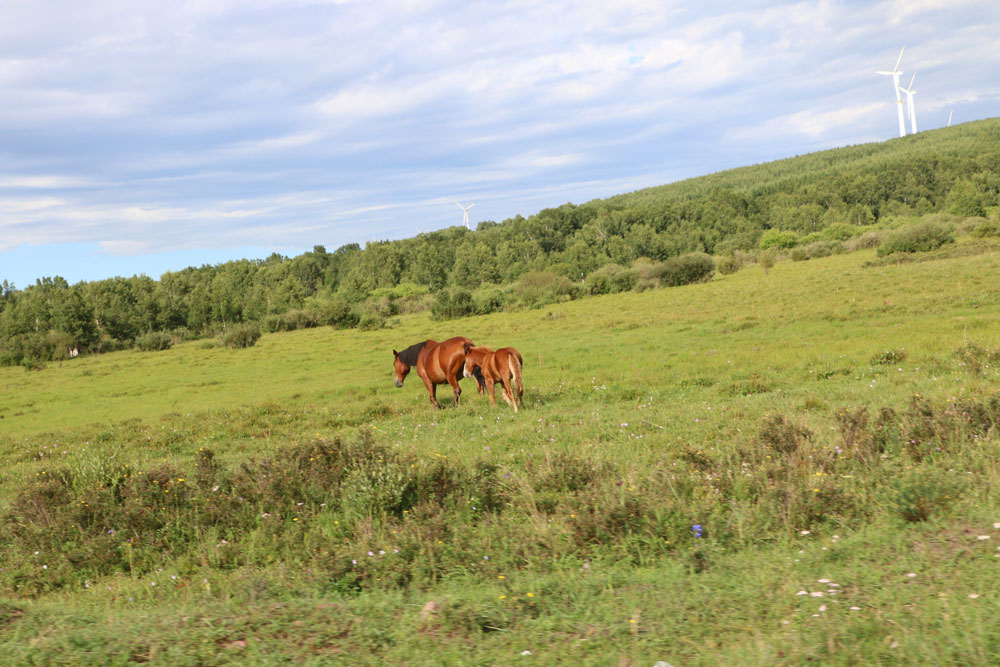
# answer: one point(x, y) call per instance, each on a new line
point(762, 469)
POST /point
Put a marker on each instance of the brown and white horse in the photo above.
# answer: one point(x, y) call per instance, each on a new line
point(436, 363)
point(503, 366)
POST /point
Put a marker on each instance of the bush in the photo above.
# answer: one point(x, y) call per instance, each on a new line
point(866, 240)
point(490, 300)
point(450, 304)
point(694, 267)
point(154, 341)
point(290, 321)
point(920, 237)
point(775, 238)
point(989, 228)
point(728, 264)
point(241, 336)
point(610, 279)
point(32, 351)
point(334, 312)
point(767, 259)
point(371, 322)
point(537, 288)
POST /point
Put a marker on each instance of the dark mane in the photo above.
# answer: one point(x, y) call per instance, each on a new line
point(409, 355)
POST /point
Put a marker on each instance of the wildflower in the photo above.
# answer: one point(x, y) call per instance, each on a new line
point(911, 574)
point(803, 593)
point(973, 595)
point(822, 607)
point(855, 608)
point(697, 529)
point(531, 595)
point(983, 537)
point(803, 532)
point(817, 594)
point(371, 553)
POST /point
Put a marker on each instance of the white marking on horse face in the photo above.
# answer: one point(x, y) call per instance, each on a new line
point(466, 373)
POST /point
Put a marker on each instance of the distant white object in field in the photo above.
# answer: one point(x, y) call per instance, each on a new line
point(74, 352)
point(465, 213)
point(911, 111)
point(895, 85)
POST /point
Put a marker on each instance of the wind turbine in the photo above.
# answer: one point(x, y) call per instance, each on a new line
point(465, 213)
point(949, 116)
point(911, 111)
point(895, 84)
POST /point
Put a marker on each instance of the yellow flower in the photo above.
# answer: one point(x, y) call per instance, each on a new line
point(531, 595)
point(503, 597)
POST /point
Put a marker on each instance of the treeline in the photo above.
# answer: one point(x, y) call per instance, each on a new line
point(649, 238)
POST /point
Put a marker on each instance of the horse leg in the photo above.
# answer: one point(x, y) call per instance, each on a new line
point(508, 393)
point(491, 388)
point(432, 390)
point(454, 385)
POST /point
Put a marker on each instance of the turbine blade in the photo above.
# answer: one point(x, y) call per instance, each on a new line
point(460, 206)
point(470, 206)
point(900, 58)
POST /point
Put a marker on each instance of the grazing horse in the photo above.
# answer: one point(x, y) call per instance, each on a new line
point(436, 364)
point(489, 367)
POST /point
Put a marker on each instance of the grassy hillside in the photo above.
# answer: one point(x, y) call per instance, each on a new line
point(765, 468)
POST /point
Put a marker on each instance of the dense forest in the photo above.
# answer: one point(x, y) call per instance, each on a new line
point(655, 237)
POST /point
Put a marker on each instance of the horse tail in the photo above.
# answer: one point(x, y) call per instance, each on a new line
point(514, 362)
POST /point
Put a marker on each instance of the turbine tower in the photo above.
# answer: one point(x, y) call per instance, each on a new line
point(911, 111)
point(949, 116)
point(895, 84)
point(465, 213)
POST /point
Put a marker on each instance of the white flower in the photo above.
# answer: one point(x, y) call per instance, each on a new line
point(911, 574)
point(803, 593)
point(822, 607)
point(823, 581)
point(817, 594)
point(983, 537)
point(855, 608)
point(973, 595)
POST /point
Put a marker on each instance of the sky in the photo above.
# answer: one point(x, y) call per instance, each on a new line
point(139, 137)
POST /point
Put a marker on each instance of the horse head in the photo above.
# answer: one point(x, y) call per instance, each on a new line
point(401, 369)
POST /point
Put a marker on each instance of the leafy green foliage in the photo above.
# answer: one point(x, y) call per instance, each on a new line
point(241, 336)
point(920, 237)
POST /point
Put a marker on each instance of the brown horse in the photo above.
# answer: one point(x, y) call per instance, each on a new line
point(503, 365)
point(436, 364)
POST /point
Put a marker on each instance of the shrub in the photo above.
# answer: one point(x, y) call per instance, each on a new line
point(989, 228)
point(334, 312)
point(610, 279)
point(921, 494)
point(154, 341)
point(451, 304)
point(866, 240)
point(490, 300)
point(371, 322)
point(888, 357)
point(775, 238)
point(728, 264)
point(536, 288)
point(290, 321)
point(695, 267)
point(920, 237)
point(241, 336)
point(767, 259)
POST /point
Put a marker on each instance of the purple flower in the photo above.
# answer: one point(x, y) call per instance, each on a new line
point(697, 529)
